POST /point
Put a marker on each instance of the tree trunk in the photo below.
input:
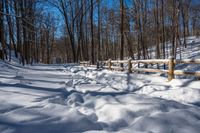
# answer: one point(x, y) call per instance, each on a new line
point(122, 30)
point(92, 32)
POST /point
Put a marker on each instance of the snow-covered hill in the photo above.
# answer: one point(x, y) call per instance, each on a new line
point(74, 99)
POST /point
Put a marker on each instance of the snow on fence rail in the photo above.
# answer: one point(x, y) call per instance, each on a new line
point(85, 63)
point(171, 62)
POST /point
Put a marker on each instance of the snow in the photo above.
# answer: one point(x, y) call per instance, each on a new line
point(70, 98)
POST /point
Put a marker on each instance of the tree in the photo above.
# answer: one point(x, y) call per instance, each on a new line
point(122, 30)
point(2, 37)
point(92, 32)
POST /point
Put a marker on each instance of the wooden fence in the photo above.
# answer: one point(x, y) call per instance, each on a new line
point(85, 63)
point(171, 62)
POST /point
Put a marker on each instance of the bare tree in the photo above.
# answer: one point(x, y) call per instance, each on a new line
point(122, 30)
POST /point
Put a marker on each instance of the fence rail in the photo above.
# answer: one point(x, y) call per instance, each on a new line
point(85, 63)
point(171, 62)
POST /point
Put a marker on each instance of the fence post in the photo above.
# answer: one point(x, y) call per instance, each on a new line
point(129, 66)
point(109, 64)
point(98, 64)
point(89, 63)
point(171, 68)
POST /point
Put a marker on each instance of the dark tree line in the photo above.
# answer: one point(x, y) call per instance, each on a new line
point(95, 29)
point(26, 32)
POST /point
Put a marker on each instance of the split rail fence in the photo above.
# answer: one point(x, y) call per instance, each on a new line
point(171, 62)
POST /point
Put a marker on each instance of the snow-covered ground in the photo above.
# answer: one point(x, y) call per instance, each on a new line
point(74, 99)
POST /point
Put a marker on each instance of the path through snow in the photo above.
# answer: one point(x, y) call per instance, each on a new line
point(57, 99)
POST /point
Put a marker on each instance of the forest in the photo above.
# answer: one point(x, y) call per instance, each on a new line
point(60, 31)
point(99, 66)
